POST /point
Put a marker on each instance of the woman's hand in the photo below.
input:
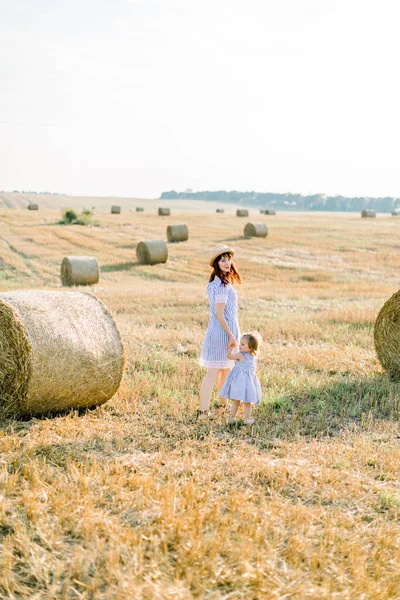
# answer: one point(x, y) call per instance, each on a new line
point(232, 343)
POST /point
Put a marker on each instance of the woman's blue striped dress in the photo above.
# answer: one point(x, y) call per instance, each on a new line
point(215, 346)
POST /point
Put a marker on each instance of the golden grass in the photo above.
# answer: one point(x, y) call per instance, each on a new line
point(137, 500)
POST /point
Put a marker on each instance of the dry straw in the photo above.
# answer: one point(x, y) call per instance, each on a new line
point(242, 212)
point(256, 230)
point(387, 336)
point(115, 210)
point(177, 233)
point(220, 210)
point(368, 213)
point(164, 212)
point(33, 206)
point(152, 252)
point(79, 270)
point(139, 209)
point(59, 350)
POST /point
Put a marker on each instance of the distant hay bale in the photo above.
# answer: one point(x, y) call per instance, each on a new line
point(396, 212)
point(115, 210)
point(269, 211)
point(59, 350)
point(387, 336)
point(164, 212)
point(220, 210)
point(256, 230)
point(33, 206)
point(368, 213)
point(139, 209)
point(242, 212)
point(79, 270)
point(177, 233)
point(152, 252)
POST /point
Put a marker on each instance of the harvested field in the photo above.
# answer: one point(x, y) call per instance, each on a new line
point(135, 499)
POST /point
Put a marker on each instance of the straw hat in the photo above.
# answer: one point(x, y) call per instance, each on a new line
point(218, 250)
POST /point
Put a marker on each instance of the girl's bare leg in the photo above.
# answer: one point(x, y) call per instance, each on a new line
point(207, 388)
point(234, 408)
point(223, 374)
point(247, 410)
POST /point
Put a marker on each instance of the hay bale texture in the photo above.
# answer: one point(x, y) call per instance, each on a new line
point(152, 252)
point(220, 210)
point(59, 350)
point(33, 206)
point(115, 210)
point(139, 209)
point(368, 213)
point(79, 270)
point(269, 211)
point(256, 230)
point(387, 336)
point(242, 212)
point(396, 212)
point(164, 212)
point(177, 233)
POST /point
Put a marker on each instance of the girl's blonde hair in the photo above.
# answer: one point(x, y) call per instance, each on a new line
point(254, 341)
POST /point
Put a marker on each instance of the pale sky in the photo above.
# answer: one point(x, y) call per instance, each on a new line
point(136, 97)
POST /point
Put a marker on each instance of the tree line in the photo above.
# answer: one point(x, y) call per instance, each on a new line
point(290, 201)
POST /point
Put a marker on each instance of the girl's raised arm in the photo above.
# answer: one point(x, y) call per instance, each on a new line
point(235, 356)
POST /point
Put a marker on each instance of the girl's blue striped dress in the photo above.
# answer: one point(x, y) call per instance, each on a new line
point(242, 382)
point(215, 346)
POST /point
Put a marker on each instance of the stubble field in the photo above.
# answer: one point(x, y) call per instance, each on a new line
point(135, 499)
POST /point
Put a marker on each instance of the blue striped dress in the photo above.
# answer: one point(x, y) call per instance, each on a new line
point(242, 382)
point(215, 346)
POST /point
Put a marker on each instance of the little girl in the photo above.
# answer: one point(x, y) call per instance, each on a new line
point(242, 383)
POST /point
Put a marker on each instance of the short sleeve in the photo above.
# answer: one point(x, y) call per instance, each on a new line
point(221, 295)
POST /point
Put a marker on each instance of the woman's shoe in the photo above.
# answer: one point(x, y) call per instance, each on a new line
point(202, 414)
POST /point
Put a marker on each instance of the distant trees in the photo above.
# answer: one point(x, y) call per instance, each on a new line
point(289, 201)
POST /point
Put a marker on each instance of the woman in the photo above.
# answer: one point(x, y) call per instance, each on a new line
point(223, 330)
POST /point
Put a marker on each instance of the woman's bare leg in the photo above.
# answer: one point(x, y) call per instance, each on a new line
point(223, 374)
point(207, 388)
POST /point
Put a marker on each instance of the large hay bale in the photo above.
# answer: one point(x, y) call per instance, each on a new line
point(387, 336)
point(220, 210)
point(33, 206)
point(79, 270)
point(164, 212)
point(368, 213)
point(177, 233)
point(58, 350)
point(152, 252)
point(396, 212)
point(115, 210)
point(256, 230)
point(242, 212)
point(139, 209)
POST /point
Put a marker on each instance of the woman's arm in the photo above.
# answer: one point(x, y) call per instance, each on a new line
point(219, 312)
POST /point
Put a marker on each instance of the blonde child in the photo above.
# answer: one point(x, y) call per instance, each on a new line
point(242, 383)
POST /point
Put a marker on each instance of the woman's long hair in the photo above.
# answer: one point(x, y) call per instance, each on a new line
point(225, 278)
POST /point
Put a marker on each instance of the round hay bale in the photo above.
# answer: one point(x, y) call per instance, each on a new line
point(164, 212)
point(59, 350)
point(396, 212)
point(387, 336)
point(220, 210)
point(79, 270)
point(139, 209)
point(177, 233)
point(115, 210)
point(368, 213)
point(33, 206)
point(152, 252)
point(269, 211)
point(256, 230)
point(242, 212)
